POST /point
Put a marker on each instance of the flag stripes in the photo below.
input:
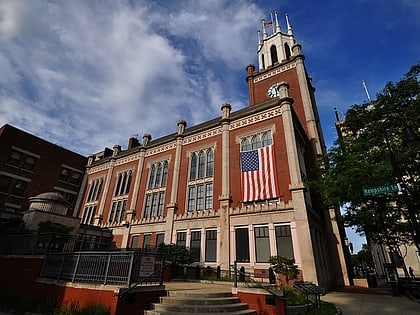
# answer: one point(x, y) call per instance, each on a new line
point(258, 174)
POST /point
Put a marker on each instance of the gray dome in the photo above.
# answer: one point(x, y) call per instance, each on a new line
point(49, 202)
point(50, 196)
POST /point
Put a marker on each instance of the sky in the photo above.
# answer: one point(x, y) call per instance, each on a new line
point(89, 74)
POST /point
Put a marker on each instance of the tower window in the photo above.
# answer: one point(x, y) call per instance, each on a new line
point(287, 50)
point(263, 61)
point(273, 52)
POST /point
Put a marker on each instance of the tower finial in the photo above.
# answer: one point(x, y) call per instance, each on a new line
point(264, 25)
point(278, 28)
point(289, 27)
point(259, 39)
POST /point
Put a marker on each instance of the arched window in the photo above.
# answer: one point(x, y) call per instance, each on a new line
point(263, 61)
point(245, 145)
point(158, 175)
point(273, 52)
point(152, 177)
point(164, 174)
point(256, 142)
point(287, 50)
point(210, 163)
point(193, 169)
point(201, 164)
point(266, 139)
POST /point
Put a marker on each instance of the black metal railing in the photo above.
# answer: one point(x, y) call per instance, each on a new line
point(121, 268)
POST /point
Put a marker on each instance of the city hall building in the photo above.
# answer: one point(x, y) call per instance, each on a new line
point(233, 188)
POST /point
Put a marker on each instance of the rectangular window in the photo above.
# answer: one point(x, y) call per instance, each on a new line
point(5, 182)
point(200, 197)
point(29, 163)
point(211, 245)
point(209, 196)
point(262, 244)
point(191, 198)
point(89, 214)
point(242, 244)
point(64, 175)
point(181, 238)
point(75, 178)
point(135, 241)
point(195, 245)
point(14, 158)
point(147, 206)
point(160, 238)
point(146, 241)
point(117, 210)
point(284, 241)
point(19, 188)
point(160, 203)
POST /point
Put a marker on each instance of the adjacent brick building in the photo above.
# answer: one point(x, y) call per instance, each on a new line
point(232, 188)
point(30, 166)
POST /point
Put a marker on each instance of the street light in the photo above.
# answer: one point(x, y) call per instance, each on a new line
point(412, 140)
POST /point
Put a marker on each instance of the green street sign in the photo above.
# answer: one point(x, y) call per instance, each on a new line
point(390, 188)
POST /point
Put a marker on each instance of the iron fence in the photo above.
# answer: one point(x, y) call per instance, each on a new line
point(40, 244)
point(123, 268)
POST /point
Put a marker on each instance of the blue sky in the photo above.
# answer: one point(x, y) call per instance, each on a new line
point(89, 74)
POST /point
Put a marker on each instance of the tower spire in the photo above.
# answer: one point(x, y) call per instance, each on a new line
point(278, 29)
point(289, 27)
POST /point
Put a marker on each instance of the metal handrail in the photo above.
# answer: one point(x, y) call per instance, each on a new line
point(161, 269)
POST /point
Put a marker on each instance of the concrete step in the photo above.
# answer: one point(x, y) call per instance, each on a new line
point(197, 302)
point(177, 300)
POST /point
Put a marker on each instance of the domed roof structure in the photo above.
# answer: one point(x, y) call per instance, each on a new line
point(49, 202)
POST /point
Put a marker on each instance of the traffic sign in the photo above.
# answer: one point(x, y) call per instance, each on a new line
point(378, 190)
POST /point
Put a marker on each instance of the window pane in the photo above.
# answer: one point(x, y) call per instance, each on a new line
point(160, 204)
point(193, 168)
point(201, 164)
point(4, 184)
point(266, 139)
point(160, 238)
point(154, 205)
point(195, 245)
point(211, 245)
point(284, 241)
point(191, 198)
point(118, 186)
point(29, 163)
point(14, 158)
point(242, 245)
point(147, 206)
point(146, 241)
point(135, 241)
point(245, 145)
point(256, 142)
point(158, 175)
point(210, 163)
point(151, 177)
point(75, 178)
point(165, 174)
point(262, 244)
point(128, 183)
point(200, 197)
point(181, 238)
point(64, 175)
point(209, 196)
point(19, 188)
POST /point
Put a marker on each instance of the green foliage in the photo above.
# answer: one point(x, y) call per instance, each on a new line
point(361, 159)
point(284, 266)
point(178, 255)
point(52, 227)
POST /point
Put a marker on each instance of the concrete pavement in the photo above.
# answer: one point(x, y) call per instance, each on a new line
point(350, 300)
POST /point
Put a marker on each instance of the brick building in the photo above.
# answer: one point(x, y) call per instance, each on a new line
point(30, 166)
point(232, 188)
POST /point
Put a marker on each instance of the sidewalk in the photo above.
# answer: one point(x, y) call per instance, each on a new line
point(357, 303)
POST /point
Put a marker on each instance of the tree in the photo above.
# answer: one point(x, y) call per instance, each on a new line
point(13, 226)
point(178, 255)
point(285, 266)
point(361, 159)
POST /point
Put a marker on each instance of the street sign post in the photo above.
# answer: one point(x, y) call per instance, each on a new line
point(378, 190)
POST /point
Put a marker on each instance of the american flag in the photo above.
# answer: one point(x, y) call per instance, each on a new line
point(259, 176)
point(268, 24)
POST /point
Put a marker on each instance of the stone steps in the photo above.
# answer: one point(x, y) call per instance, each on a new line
point(195, 302)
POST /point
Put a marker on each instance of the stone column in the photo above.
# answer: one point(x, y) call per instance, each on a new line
point(225, 198)
point(173, 206)
point(297, 188)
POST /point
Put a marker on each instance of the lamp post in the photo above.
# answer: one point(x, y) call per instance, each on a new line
point(410, 139)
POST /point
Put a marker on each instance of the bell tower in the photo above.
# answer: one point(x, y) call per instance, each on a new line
point(280, 60)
